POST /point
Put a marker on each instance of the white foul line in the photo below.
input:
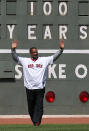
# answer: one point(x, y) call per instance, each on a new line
point(26, 51)
point(45, 116)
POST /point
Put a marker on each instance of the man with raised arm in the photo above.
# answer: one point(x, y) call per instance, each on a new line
point(34, 72)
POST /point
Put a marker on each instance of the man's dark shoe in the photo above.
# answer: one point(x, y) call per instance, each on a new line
point(36, 124)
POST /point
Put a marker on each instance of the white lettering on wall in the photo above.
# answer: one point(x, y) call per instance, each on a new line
point(49, 11)
point(32, 8)
point(19, 73)
point(77, 71)
point(83, 30)
point(11, 29)
point(62, 32)
point(47, 33)
point(31, 32)
point(62, 74)
point(63, 5)
point(51, 71)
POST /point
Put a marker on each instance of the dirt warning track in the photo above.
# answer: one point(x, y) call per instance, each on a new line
point(49, 119)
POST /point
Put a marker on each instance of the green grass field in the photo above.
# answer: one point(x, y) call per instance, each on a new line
point(44, 128)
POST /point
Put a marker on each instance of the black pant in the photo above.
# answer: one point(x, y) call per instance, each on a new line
point(35, 104)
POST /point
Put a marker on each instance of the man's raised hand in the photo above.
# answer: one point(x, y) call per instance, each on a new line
point(14, 44)
point(61, 44)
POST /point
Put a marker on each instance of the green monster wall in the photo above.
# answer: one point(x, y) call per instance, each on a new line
point(42, 23)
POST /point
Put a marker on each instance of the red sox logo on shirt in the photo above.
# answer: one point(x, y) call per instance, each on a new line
point(37, 65)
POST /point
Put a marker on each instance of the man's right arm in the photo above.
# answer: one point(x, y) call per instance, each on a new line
point(14, 55)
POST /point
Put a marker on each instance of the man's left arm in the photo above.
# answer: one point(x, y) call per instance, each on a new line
point(59, 52)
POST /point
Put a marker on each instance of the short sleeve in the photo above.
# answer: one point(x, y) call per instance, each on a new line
point(49, 60)
point(21, 60)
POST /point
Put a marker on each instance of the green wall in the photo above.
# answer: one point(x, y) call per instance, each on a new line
point(45, 33)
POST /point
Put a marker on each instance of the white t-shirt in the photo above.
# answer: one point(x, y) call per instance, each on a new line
point(35, 71)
